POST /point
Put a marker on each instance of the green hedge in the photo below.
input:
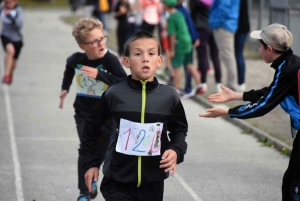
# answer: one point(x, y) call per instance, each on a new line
point(43, 3)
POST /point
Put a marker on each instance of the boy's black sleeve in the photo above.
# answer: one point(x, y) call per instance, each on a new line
point(254, 95)
point(116, 75)
point(178, 128)
point(68, 75)
point(92, 129)
point(277, 92)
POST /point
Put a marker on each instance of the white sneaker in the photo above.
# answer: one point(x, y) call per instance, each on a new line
point(204, 86)
point(242, 87)
point(188, 95)
point(218, 87)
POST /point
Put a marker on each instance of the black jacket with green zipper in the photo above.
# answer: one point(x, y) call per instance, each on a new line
point(135, 101)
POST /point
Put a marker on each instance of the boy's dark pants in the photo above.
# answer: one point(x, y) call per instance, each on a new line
point(114, 191)
point(291, 178)
point(103, 142)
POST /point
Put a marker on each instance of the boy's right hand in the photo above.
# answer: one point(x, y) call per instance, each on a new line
point(90, 176)
point(89, 71)
point(225, 95)
point(62, 96)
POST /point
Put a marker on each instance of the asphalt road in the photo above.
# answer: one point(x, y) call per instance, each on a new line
point(38, 141)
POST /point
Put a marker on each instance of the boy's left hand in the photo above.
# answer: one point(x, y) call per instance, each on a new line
point(214, 112)
point(89, 71)
point(169, 160)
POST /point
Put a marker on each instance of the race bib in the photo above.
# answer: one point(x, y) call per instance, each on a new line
point(139, 139)
point(87, 86)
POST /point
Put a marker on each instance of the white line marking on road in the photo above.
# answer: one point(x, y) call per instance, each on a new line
point(14, 150)
point(187, 187)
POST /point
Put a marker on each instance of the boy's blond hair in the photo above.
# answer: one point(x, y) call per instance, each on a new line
point(83, 27)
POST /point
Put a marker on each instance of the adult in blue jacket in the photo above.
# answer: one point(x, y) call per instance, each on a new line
point(223, 19)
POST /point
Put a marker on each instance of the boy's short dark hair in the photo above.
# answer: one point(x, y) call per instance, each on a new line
point(265, 47)
point(138, 35)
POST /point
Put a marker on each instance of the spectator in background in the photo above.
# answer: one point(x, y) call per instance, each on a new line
point(121, 10)
point(223, 19)
point(89, 7)
point(195, 41)
point(138, 12)
point(165, 44)
point(239, 43)
point(131, 17)
point(180, 46)
point(151, 14)
point(74, 4)
point(101, 7)
point(200, 11)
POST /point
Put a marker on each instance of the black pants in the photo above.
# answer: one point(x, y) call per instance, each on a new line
point(148, 27)
point(291, 178)
point(122, 35)
point(207, 39)
point(17, 45)
point(103, 142)
point(114, 191)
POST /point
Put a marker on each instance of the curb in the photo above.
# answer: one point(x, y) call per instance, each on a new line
point(237, 122)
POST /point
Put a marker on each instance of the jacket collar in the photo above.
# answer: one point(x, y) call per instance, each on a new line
point(281, 58)
point(137, 85)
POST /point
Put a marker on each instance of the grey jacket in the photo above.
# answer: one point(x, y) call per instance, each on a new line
point(12, 23)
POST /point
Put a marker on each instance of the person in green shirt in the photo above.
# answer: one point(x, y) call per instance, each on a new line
point(180, 46)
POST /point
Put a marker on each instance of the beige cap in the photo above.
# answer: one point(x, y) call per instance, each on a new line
point(275, 35)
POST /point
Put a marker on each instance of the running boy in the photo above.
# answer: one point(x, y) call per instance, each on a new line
point(94, 70)
point(180, 46)
point(275, 43)
point(140, 155)
point(11, 37)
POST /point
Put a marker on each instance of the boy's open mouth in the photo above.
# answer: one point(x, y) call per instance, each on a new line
point(101, 50)
point(145, 69)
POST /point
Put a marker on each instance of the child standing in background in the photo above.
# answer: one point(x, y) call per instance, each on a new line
point(180, 46)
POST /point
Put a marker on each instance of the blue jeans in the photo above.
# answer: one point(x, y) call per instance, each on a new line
point(239, 43)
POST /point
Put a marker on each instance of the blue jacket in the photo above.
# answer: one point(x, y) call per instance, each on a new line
point(224, 14)
point(191, 26)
